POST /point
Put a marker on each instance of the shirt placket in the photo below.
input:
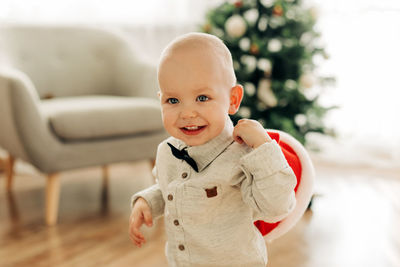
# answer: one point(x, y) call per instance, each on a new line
point(175, 203)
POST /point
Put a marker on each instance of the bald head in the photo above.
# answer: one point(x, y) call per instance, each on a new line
point(196, 56)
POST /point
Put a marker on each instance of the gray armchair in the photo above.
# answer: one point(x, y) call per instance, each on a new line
point(73, 97)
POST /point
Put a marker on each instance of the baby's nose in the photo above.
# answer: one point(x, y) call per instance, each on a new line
point(188, 112)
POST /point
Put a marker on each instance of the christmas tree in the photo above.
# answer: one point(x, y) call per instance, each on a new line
point(274, 47)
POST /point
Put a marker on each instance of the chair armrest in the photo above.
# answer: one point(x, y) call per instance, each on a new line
point(22, 123)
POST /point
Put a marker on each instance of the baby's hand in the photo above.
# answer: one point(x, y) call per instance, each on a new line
point(251, 133)
point(141, 213)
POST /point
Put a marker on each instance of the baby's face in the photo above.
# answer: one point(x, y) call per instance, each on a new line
point(195, 98)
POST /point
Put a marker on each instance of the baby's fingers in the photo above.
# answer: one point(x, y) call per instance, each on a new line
point(138, 241)
point(148, 219)
point(134, 233)
point(137, 238)
point(238, 139)
point(236, 135)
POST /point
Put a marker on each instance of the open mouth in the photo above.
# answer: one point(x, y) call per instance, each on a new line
point(192, 130)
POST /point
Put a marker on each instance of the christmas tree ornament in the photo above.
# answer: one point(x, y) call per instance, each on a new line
point(244, 112)
point(307, 38)
point(264, 65)
point(238, 4)
point(251, 16)
point(290, 84)
point(244, 44)
point(263, 24)
point(267, 3)
point(276, 22)
point(249, 89)
point(254, 49)
point(249, 61)
point(307, 80)
point(277, 10)
point(265, 94)
point(311, 93)
point(274, 45)
point(318, 59)
point(207, 27)
point(235, 26)
point(300, 119)
point(291, 14)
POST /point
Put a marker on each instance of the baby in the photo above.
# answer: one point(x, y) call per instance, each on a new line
point(213, 180)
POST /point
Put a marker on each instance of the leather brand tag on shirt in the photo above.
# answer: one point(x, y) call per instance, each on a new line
point(211, 192)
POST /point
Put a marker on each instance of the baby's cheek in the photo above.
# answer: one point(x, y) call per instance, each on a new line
point(168, 120)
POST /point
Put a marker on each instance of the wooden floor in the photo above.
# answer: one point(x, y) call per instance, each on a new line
point(354, 221)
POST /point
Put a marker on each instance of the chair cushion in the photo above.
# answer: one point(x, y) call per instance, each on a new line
point(92, 117)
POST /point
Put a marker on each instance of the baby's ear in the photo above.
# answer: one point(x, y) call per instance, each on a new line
point(236, 96)
point(159, 95)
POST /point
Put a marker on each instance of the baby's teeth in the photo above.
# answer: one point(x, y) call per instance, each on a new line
point(192, 128)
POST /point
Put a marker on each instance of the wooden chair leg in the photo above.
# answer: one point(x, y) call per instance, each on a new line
point(104, 190)
point(105, 175)
point(9, 169)
point(52, 198)
point(2, 165)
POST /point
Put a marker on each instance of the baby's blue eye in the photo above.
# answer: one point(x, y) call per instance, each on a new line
point(172, 100)
point(202, 98)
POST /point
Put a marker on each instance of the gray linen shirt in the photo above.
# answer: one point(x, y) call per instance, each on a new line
point(209, 215)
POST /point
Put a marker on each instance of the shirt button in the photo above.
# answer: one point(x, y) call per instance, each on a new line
point(181, 247)
point(176, 222)
point(170, 197)
point(184, 175)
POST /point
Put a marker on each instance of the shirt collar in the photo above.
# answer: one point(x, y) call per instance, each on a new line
point(206, 153)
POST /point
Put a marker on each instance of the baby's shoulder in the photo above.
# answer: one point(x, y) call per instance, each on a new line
point(236, 151)
point(227, 166)
point(163, 146)
point(163, 143)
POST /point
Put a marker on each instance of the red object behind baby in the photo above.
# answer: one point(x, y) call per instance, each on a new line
point(294, 162)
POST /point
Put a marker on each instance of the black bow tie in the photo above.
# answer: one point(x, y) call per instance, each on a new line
point(183, 155)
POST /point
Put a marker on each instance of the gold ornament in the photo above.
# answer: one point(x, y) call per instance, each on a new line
point(254, 49)
point(207, 27)
point(278, 10)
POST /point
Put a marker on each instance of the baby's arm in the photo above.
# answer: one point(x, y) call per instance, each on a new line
point(146, 206)
point(140, 214)
point(268, 182)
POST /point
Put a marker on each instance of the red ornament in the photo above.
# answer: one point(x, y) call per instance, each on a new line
point(238, 4)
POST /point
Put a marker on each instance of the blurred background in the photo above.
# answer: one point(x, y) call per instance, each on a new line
point(324, 71)
point(360, 39)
